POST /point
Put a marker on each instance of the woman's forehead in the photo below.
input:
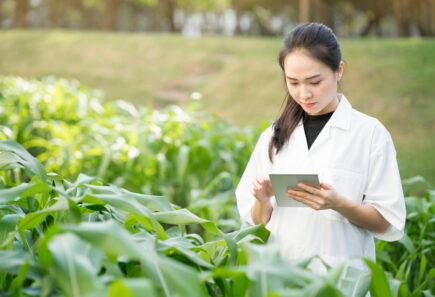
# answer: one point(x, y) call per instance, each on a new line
point(300, 65)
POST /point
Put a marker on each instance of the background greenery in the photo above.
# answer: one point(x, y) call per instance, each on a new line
point(239, 78)
point(137, 242)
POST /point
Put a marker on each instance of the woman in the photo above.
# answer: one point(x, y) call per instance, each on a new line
point(360, 195)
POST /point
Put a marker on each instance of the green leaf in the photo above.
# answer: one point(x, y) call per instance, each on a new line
point(423, 264)
point(31, 165)
point(21, 191)
point(9, 161)
point(115, 240)
point(122, 202)
point(35, 218)
point(182, 246)
point(72, 265)
point(10, 261)
point(8, 225)
point(179, 216)
point(107, 236)
point(137, 287)
point(407, 243)
point(17, 283)
point(379, 286)
point(355, 282)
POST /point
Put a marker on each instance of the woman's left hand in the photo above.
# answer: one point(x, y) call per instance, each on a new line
point(324, 198)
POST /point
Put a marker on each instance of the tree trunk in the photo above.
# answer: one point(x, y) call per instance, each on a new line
point(135, 14)
point(53, 12)
point(20, 14)
point(304, 11)
point(239, 8)
point(110, 10)
point(322, 12)
point(422, 18)
point(169, 11)
point(154, 14)
point(401, 12)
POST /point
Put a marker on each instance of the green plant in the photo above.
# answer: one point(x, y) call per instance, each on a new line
point(187, 155)
point(88, 238)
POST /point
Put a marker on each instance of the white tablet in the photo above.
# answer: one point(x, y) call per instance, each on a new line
point(281, 182)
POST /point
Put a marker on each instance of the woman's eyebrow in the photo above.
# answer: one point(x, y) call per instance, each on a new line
point(308, 78)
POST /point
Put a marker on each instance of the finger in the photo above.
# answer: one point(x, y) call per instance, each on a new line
point(306, 196)
point(309, 189)
point(260, 181)
point(258, 184)
point(326, 186)
point(308, 203)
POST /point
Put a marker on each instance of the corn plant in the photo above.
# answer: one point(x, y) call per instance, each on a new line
point(89, 238)
point(187, 155)
point(411, 261)
point(184, 157)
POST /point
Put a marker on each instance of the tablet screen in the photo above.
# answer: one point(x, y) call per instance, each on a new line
point(281, 182)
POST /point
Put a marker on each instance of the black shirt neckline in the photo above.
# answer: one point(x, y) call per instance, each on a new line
point(313, 125)
point(317, 118)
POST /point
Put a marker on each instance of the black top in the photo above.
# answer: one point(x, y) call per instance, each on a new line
point(313, 124)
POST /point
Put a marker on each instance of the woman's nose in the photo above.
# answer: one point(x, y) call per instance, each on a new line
point(305, 92)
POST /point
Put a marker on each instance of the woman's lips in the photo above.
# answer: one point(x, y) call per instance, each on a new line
point(308, 104)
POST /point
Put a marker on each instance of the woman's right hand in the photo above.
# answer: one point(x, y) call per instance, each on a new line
point(262, 189)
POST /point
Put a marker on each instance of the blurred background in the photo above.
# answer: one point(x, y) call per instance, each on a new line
point(160, 52)
point(227, 17)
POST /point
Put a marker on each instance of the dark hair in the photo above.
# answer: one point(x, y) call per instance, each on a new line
point(321, 44)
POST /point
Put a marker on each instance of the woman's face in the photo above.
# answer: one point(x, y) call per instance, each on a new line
point(312, 84)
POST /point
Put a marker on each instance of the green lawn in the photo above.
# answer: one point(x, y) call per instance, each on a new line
point(391, 79)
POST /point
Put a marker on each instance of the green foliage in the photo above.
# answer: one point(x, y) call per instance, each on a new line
point(94, 238)
point(411, 260)
point(187, 155)
point(88, 238)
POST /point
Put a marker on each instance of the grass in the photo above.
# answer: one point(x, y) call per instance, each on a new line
point(391, 79)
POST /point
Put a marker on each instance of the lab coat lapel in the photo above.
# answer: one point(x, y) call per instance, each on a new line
point(323, 136)
point(300, 141)
point(340, 119)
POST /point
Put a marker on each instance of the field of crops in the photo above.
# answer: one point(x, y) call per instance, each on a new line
point(108, 199)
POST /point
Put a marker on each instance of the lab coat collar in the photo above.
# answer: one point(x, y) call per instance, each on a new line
point(341, 116)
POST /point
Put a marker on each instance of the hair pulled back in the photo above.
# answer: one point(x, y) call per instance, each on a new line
point(321, 44)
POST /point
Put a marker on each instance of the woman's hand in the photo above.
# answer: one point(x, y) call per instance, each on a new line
point(262, 209)
point(365, 216)
point(324, 198)
point(262, 189)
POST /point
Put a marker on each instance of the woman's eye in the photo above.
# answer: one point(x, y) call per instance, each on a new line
point(315, 83)
point(293, 83)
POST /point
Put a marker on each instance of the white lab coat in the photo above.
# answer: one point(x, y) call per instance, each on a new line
point(355, 154)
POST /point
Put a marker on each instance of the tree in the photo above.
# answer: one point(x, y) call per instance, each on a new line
point(109, 16)
point(422, 12)
point(20, 14)
point(304, 11)
point(53, 7)
point(401, 11)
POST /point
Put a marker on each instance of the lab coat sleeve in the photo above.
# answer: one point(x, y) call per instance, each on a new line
point(384, 187)
point(258, 166)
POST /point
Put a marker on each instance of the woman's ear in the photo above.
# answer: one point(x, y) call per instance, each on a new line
point(339, 72)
